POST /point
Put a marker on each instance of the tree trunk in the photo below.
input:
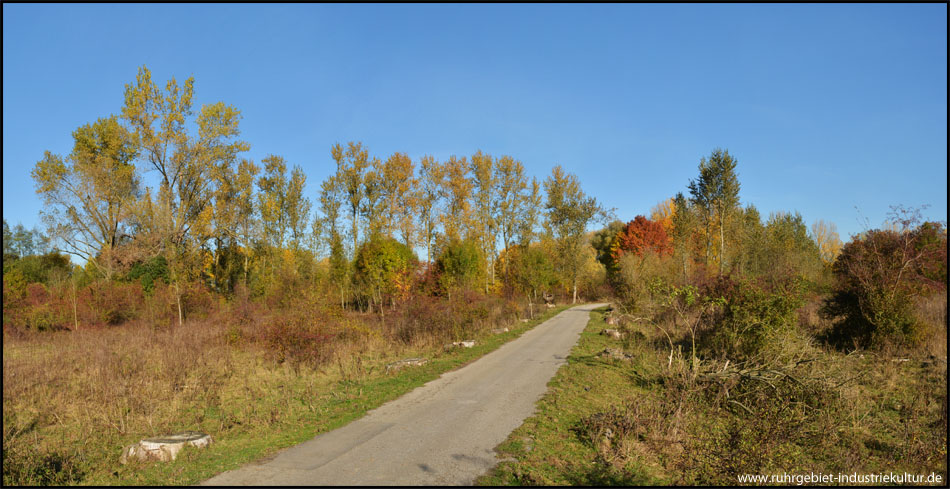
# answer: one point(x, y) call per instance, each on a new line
point(722, 244)
point(355, 230)
point(75, 316)
point(707, 244)
point(178, 300)
point(685, 273)
point(382, 307)
point(178, 297)
point(492, 270)
point(575, 291)
point(214, 266)
point(489, 274)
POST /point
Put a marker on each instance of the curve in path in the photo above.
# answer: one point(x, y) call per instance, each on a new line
point(442, 433)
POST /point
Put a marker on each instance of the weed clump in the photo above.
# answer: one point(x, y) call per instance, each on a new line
point(27, 466)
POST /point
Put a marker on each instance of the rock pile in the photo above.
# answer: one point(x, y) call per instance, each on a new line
point(409, 362)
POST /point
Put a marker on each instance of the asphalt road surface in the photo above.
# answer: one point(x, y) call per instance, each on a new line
point(442, 433)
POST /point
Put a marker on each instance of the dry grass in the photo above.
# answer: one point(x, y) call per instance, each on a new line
point(655, 423)
point(932, 311)
point(71, 400)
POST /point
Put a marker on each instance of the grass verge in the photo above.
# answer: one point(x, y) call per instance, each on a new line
point(546, 449)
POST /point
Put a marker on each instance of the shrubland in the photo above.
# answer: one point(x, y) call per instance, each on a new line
point(749, 348)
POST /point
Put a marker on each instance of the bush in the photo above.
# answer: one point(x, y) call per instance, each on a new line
point(749, 319)
point(459, 265)
point(149, 271)
point(423, 318)
point(877, 279)
point(640, 277)
point(383, 268)
point(530, 271)
point(39, 268)
point(298, 339)
point(113, 303)
point(429, 319)
point(24, 465)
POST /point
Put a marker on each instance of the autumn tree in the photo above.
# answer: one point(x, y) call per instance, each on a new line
point(789, 248)
point(529, 214)
point(297, 207)
point(234, 223)
point(186, 164)
point(484, 222)
point(605, 243)
point(662, 213)
point(532, 271)
point(825, 235)
point(331, 200)
point(716, 194)
point(752, 243)
point(88, 196)
point(373, 209)
point(459, 265)
point(400, 196)
point(430, 178)
point(683, 226)
point(352, 164)
point(642, 235)
point(456, 189)
point(878, 276)
point(511, 200)
point(383, 267)
point(271, 200)
point(569, 211)
point(246, 225)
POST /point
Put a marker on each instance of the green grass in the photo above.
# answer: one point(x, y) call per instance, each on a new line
point(546, 448)
point(302, 415)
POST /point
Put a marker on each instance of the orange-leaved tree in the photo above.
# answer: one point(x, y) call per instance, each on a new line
point(641, 235)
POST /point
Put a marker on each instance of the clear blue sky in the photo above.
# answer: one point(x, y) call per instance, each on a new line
point(828, 108)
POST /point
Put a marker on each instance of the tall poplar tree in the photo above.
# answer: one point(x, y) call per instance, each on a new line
point(716, 192)
point(569, 211)
point(271, 198)
point(331, 200)
point(352, 164)
point(684, 222)
point(399, 194)
point(457, 190)
point(484, 225)
point(511, 199)
point(430, 180)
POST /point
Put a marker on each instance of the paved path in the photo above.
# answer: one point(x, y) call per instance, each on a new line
point(442, 433)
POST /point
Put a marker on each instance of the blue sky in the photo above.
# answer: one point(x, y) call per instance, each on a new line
point(836, 111)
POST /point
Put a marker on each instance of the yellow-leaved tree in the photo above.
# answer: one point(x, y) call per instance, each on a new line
point(187, 165)
point(89, 195)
